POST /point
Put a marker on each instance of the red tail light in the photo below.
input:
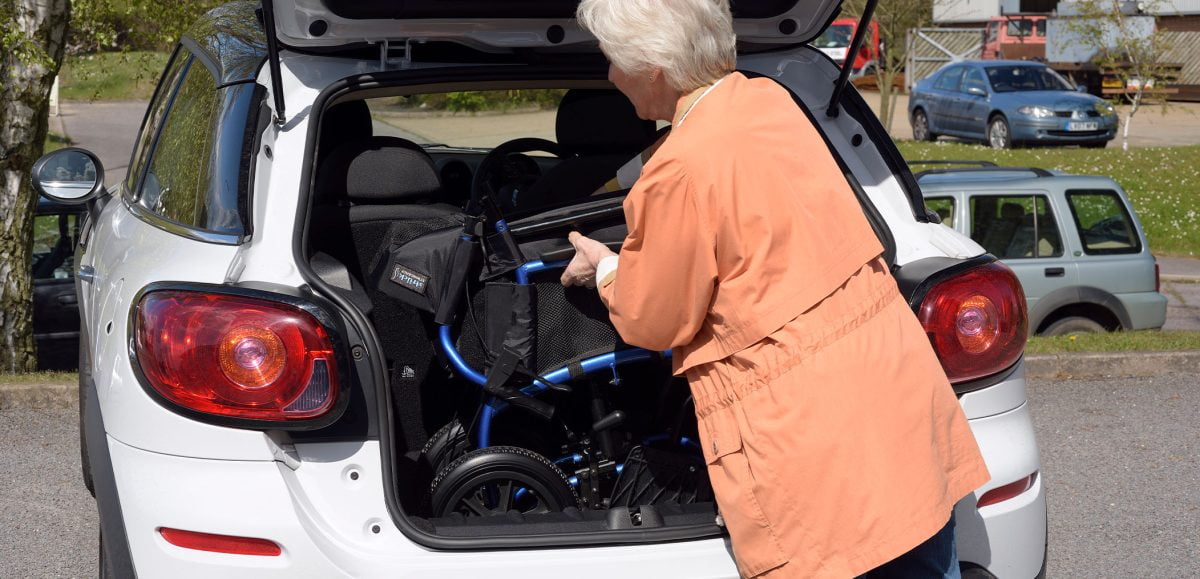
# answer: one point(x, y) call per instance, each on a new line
point(1008, 491)
point(220, 543)
point(976, 322)
point(235, 356)
point(1157, 277)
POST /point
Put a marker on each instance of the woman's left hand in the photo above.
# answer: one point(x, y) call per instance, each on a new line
point(588, 253)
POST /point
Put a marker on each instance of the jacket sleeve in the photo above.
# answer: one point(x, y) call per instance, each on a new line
point(668, 269)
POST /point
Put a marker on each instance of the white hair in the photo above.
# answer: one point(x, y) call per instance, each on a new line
point(691, 41)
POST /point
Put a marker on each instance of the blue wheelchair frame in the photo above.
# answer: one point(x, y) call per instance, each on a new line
point(591, 365)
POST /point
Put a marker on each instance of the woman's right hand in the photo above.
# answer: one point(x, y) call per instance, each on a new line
point(582, 268)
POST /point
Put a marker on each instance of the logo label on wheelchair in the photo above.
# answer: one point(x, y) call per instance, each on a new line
point(409, 279)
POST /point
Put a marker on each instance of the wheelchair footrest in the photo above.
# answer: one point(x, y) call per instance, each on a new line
point(659, 477)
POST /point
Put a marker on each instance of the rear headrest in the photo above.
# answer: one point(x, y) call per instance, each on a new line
point(601, 122)
point(1012, 211)
point(344, 123)
point(379, 169)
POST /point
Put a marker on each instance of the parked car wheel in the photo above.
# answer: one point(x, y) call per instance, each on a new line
point(998, 133)
point(920, 127)
point(1073, 325)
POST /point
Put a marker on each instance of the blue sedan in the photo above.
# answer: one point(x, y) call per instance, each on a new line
point(1006, 103)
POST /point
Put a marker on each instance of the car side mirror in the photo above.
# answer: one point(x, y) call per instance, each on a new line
point(71, 176)
point(1080, 88)
point(976, 91)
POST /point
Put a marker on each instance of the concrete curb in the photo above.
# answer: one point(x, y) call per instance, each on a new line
point(1111, 364)
point(38, 396)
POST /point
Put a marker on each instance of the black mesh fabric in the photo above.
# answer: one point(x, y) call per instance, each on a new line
point(573, 324)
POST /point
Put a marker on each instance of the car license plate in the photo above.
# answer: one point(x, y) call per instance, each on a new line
point(1083, 126)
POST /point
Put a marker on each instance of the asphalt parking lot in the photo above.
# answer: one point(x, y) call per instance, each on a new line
point(1121, 459)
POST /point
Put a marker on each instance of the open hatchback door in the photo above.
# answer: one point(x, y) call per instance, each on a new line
point(508, 24)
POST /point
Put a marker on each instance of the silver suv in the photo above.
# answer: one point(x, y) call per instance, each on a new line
point(1074, 241)
point(323, 334)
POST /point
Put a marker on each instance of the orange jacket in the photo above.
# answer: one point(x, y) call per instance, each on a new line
point(833, 438)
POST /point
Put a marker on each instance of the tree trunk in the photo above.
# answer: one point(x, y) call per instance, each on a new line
point(1137, 103)
point(29, 63)
point(885, 79)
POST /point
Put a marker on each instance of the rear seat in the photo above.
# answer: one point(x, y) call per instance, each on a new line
point(371, 192)
point(366, 186)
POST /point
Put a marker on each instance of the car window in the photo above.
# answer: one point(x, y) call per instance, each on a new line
point(1039, 28)
point(54, 246)
point(451, 119)
point(1015, 227)
point(156, 111)
point(836, 36)
point(1104, 224)
point(1024, 77)
point(177, 180)
point(992, 29)
point(944, 207)
point(974, 79)
point(950, 79)
point(1020, 28)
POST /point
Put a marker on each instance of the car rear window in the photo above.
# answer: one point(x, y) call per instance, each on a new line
point(1104, 224)
point(1016, 226)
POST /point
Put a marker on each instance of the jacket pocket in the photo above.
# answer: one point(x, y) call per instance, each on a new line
point(755, 545)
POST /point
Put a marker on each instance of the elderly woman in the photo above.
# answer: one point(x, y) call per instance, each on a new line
point(835, 444)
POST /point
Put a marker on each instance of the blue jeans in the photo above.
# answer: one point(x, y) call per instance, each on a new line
point(935, 558)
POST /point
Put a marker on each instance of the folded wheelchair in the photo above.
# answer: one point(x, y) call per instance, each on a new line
point(547, 356)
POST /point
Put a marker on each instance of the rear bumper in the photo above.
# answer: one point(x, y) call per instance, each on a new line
point(1008, 538)
point(331, 524)
point(325, 523)
point(1147, 310)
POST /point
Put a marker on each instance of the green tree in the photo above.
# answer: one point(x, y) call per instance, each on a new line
point(34, 38)
point(1125, 44)
point(895, 19)
point(33, 42)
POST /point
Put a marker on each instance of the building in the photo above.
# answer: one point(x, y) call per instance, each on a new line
point(1180, 19)
point(1174, 15)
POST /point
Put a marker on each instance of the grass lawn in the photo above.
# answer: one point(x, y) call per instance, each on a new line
point(1162, 182)
point(1144, 341)
point(54, 142)
point(111, 75)
point(39, 378)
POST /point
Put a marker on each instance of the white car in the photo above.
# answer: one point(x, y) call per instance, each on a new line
point(323, 336)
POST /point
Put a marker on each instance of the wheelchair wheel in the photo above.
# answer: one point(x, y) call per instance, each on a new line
point(447, 444)
point(496, 480)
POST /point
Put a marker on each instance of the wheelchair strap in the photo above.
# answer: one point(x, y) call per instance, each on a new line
point(497, 385)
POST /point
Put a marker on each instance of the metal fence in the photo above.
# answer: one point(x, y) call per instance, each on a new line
point(932, 48)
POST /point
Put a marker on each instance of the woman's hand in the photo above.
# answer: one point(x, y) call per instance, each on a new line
point(588, 253)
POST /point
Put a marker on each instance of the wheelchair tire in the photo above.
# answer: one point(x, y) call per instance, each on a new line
point(496, 480)
point(446, 445)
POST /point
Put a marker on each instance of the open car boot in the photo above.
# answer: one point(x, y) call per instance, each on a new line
point(538, 349)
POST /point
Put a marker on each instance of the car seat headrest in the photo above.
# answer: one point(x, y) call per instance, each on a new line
point(379, 169)
point(1012, 211)
point(344, 123)
point(601, 122)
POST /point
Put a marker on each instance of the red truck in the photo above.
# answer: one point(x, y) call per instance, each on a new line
point(1015, 37)
point(835, 43)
